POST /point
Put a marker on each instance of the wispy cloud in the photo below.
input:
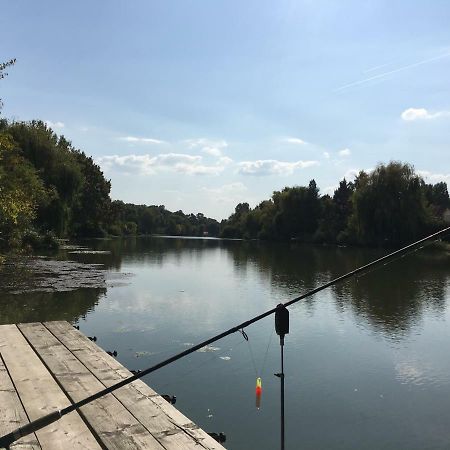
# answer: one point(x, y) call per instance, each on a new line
point(326, 155)
point(345, 152)
point(54, 125)
point(227, 188)
point(149, 165)
point(391, 72)
point(140, 140)
point(434, 177)
point(272, 167)
point(224, 161)
point(294, 140)
point(208, 146)
point(351, 174)
point(228, 193)
point(329, 190)
point(412, 114)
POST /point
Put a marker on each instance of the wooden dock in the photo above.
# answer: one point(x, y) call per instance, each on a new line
point(47, 366)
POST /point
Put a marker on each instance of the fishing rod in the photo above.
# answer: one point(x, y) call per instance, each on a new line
point(8, 439)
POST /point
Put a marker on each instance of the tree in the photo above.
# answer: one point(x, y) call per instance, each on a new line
point(20, 191)
point(55, 160)
point(3, 74)
point(342, 210)
point(298, 211)
point(389, 205)
point(437, 198)
point(92, 203)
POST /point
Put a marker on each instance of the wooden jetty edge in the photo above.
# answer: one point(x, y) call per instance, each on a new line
point(47, 366)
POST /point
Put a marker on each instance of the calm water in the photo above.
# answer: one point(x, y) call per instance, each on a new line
point(367, 362)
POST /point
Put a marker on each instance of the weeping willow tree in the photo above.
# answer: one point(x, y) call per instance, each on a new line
point(389, 205)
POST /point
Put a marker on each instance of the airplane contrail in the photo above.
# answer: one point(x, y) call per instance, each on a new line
point(372, 69)
point(384, 74)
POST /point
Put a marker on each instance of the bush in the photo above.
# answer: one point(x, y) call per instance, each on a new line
point(35, 241)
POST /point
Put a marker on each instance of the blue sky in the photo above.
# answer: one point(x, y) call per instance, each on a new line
point(202, 104)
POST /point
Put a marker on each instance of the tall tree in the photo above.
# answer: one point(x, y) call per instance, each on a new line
point(92, 204)
point(389, 206)
point(21, 190)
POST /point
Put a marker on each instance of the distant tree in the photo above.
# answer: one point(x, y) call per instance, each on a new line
point(389, 205)
point(3, 74)
point(92, 203)
point(297, 211)
point(342, 210)
point(437, 199)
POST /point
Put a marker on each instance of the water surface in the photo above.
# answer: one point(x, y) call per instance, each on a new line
point(367, 362)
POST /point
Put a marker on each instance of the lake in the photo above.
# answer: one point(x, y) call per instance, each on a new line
point(367, 362)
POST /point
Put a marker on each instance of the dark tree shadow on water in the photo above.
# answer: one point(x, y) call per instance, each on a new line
point(47, 306)
point(391, 299)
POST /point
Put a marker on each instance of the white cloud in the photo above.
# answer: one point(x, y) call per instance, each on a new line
point(412, 114)
point(227, 188)
point(326, 155)
point(272, 167)
point(228, 193)
point(294, 140)
point(351, 174)
point(329, 190)
point(434, 177)
point(225, 161)
point(140, 140)
point(147, 164)
point(345, 152)
point(212, 151)
point(54, 125)
point(208, 146)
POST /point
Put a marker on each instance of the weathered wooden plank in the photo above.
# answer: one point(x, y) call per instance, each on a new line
point(40, 394)
point(12, 414)
point(165, 422)
point(114, 425)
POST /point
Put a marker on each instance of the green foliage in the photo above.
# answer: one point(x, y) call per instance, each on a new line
point(158, 220)
point(50, 189)
point(390, 206)
point(92, 204)
point(38, 241)
point(21, 189)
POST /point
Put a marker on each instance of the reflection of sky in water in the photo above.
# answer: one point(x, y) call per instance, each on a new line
point(366, 362)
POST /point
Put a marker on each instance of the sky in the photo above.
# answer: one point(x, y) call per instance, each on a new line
point(202, 104)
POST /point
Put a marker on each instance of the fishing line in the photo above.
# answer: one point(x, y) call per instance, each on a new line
point(267, 352)
point(259, 373)
point(213, 357)
point(405, 255)
point(249, 346)
point(8, 439)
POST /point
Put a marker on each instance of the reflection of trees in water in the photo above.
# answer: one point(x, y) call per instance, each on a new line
point(40, 289)
point(295, 267)
point(44, 306)
point(391, 299)
point(153, 250)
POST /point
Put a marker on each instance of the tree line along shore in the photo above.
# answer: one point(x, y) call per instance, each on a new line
point(49, 189)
